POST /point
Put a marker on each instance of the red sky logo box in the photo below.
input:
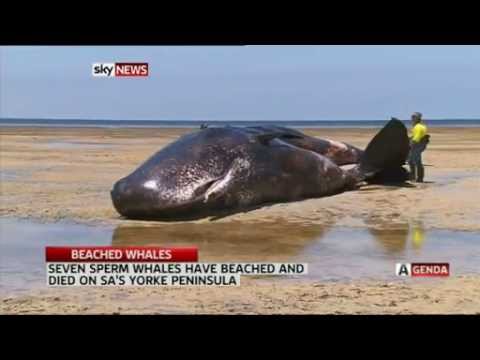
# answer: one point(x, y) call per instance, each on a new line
point(120, 69)
point(423, 269)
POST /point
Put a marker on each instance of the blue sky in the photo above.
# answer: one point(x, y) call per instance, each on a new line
point(243, 83)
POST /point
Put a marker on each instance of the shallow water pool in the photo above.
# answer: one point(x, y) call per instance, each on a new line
point(333, 253)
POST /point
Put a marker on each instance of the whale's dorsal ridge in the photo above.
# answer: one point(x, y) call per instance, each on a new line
point(267, 137)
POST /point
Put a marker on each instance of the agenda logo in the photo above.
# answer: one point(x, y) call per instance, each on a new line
point(120, 69)
point(423, 269)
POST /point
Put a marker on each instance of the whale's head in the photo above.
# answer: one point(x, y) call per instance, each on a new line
point(188, 174)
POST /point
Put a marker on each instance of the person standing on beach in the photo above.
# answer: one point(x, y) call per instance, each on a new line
point(418, 143)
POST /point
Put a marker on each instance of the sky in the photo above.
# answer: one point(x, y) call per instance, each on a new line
point(243, 82)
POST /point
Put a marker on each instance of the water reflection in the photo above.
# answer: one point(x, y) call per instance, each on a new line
point(65, 144)
point(393, 241)
point(418, 235)
point(333, 253)
point(268, 241)
point(232, 241)
point(396, 239)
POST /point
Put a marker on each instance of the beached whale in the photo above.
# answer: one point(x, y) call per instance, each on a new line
point(219, 171)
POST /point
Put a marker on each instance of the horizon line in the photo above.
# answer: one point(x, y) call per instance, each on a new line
point(242, 120)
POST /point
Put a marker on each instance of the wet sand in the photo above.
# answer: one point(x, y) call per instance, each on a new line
point(53, 175)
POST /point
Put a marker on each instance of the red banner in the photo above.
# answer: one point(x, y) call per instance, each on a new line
point(430, 269)
point(120, 254)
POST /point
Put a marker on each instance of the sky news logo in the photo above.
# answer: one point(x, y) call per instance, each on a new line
point(120, 69)
point(423, 270)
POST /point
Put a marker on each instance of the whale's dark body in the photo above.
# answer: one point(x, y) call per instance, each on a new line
point(222, 170)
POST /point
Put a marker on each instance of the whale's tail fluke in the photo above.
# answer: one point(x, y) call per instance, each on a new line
point(385, 155)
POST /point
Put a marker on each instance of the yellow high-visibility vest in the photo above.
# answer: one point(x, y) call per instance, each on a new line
point(418, 132)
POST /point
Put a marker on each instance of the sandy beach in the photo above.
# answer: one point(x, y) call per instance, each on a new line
point(452, 296)
point(53, 175)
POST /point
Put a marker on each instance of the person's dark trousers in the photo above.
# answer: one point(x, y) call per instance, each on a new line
point(417, 171)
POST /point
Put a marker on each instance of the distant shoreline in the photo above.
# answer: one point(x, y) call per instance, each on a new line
point(73, 123)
